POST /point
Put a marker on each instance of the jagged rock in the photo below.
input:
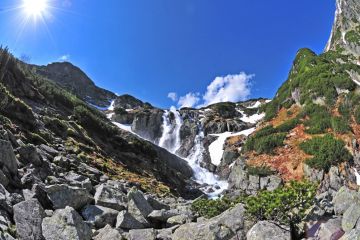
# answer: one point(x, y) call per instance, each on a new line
point(330, 229)
point(265, 230)
point(178, 220)
point(138, 207)
point(351, 217)
point(108, 233)
point(5, 202)
point(142, 234)
point(5, 221)
point(63, 195)
point(157, 205)
point(313, 174)
point(352, 235)
point(77, 180)
point(65, 224)
point(238, 177)
point(28, 216)
point(7, 157)
point(162, 215)
point(29, 154)
point(38, 191)
point(334, 177)
point(49, 150)
point(344, 198)
point(3, 179)
point(99, 216)
point(254, 184)
point(147, 123)
point(6, 236)
point(126, 221)
point(111, 197)
point(165, 233)
point(91, 172)
point(270, 183)
point(225, 226)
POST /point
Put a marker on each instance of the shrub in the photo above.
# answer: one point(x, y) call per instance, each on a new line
point(262, 171)
point(212, 207)
point(339, 125)
point(319, 118)
point(268, 143)
point(120, 111)
point(326, 151)
point(288, 125)
point(357, 115)
point(286, 205)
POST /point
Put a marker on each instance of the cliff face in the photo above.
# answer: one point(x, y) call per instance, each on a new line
point(345, 33)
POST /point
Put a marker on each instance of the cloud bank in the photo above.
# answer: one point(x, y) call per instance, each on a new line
point(230, 88)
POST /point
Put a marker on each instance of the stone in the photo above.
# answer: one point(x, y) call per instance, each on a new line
point(330, 229)
point(162, 215)
point(28, 154)
point(7, 157)
point(5, 202)
point(142, 234)
point(77, 180)
point(313, 174)
point(62, 195)
point(265, 230)
point(3, 179)
point(125, 220)
point(343, 199)
point(225, 226)
point(334, 178)
point(28, 216)
point(352, 235)
point(65, 224)
point(178, 220)
point(111, 197)
point(157, 205)
point(6, 236)
point(49, 150)
point(350, 217)
point(138, 207)
point(270, 183)
point(5, 221)
point(165, 233)
point(99, 216)
point(108, 233)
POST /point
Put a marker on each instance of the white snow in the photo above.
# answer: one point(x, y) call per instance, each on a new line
point(357, 175)
point(216, 148)
point(343, 37)
point(255, 105)
point(112, 106)
point(253, 118)
point(125, 127)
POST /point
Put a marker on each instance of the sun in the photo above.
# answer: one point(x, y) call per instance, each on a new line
point(35, 8)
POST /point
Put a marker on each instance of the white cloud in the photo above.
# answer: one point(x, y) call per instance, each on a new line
point(64, 58)
point(189, 100)
point(230, 88)
point(172, 96)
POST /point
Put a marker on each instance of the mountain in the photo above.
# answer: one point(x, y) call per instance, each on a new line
point(76, 81)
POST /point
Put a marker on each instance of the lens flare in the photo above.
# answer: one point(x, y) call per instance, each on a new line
point(35, 8)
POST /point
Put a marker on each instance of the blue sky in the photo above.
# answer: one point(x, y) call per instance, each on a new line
point(150, 48)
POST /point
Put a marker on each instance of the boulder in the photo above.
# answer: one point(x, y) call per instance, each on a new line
point(111, 197)
point(142, 234)
point(344, 198)
point(5, 202)
point(350, 217)
point(3, 179)
point(156, 204)
point(138, 207)
point(62, 195)
point(265, 230)
point(5, 221)
point(77, 180)
point(108, 233)
point(313, 174)
point(6, 236)
point(352, 235)
point(125, 220)
point(7, 157)
point(65, 224)
point(178, 220)
point(28, 154)
point(162, 215)
point(225, 226)
point(270, 183)
point(330, 229)
point(28, 216)
point(99, 216)
point(334, 178)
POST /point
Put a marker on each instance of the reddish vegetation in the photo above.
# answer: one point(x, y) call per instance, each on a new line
point(284, 115)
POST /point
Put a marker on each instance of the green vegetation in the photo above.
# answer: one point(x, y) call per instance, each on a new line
point(120, 111)
point(326, 151)
point(340, 125)
point(262, 171)
point(224, 109)
point(318, 118)
point(353, 37)
point(286, 205)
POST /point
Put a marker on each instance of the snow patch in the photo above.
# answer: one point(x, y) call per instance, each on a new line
point(357, 175)
point(125, 127)
point(253, 118)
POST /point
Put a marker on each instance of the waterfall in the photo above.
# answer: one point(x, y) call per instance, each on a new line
point(171, 141)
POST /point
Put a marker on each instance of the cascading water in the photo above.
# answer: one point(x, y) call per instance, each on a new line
point(171, 141)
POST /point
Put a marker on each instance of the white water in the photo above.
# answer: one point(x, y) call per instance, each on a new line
point(170, 140)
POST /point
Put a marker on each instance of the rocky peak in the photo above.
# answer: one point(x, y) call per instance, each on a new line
point(345, 34)
point(127, 101)
point(76, 81)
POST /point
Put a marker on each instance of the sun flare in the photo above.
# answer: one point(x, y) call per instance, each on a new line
point(35, 8)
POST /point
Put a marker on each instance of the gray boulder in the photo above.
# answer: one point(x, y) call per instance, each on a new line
point(125, 220)
point(162, 215)
point(5, 201)
point(334, 178)
point(142, 234)
point(108, 233)
point(7, 156)
point(28, 216)
point(178, 220)
point(225, 226)
point(111, 197)
point(313, 174)
point(3, 179)
point(156, 204)
point(344, 198)
point(270, 183)
point(351, 217)
point(5, 221)
point(62, 195)
point(29, 154)
point(352, 235)
point(6, 236)
point(99, 216)
point(265, 230)
point(77, 180)
point(65, 224)
point(138, 207)
point(330, 229)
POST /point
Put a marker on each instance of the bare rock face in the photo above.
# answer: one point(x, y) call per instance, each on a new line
point(7, 156)
point(346, 29)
